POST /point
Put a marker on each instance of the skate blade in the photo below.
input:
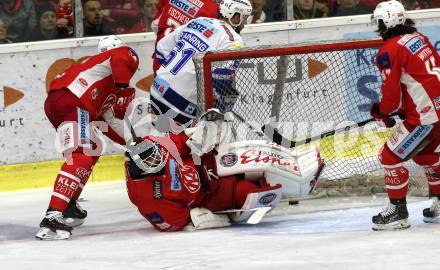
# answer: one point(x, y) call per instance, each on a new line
point(47, 234)
point(393, 226)
point(74, 222)
point(431, 220)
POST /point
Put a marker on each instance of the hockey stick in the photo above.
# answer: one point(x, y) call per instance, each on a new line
point(255, 218)
point(273, 134)
point(254, 129)
point(133, 133)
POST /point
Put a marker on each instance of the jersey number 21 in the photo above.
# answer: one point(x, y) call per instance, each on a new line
point(184, 54)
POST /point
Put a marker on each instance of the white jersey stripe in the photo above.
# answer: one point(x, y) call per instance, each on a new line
point(397, 187)
point(71, 176)
point(90, 76)
point(421, 99)
point(61, 196)
point(392, 166)
point(436, 183)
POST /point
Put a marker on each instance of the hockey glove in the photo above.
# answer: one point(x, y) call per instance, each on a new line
point(208, 133)
point(125, 97)
point(378, 116)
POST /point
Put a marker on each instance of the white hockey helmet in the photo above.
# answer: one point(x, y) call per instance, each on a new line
point(228, 8)
point(392, 13)
point(108, 43)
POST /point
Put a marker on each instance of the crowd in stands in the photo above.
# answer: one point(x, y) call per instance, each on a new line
point(34, 20)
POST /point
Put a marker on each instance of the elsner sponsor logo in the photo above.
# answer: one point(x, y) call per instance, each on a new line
point(9, 96)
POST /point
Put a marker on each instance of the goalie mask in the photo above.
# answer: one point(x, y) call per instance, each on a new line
point(147, 156)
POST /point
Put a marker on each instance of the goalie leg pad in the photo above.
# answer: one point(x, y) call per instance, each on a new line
point(263, 197)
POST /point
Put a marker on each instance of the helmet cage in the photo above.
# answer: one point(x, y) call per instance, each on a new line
point(147, 156)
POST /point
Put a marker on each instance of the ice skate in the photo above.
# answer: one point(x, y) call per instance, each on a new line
point(74, 215)
point(52, 227)
point(393, 217)
point(432, 214)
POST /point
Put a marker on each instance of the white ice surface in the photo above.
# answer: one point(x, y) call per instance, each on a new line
point(316, 234)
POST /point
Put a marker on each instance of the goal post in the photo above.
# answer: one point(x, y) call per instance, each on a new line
point(304, 90)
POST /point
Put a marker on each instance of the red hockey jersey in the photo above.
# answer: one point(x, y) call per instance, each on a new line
point(165, 199)
point(96, 81)
point(173, 13)
point(410, 69)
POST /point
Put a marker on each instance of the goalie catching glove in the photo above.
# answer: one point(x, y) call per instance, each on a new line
point(208, 133)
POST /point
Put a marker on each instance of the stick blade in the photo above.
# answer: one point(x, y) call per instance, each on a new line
point(256, 217)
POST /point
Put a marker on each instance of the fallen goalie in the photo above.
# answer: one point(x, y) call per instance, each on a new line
point(199, 179)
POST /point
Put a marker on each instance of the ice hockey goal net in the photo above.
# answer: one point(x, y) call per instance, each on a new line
point(310, 89)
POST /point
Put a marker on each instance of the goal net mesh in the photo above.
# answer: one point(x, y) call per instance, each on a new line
point(306, 90)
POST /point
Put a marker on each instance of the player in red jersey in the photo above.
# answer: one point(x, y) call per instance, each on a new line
point(410, 69)
point(94, 90)
point(172, 190)
point(173, 13)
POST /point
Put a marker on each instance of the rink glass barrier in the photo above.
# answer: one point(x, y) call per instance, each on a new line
point(305, 90)
point(135, 16)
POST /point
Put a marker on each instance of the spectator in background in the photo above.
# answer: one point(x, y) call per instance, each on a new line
point(258, 14)
point(3, 32)
point(39, 2)
point(122, 15)
point(19, 16)
point(411, 4)
point(46, 28)
point(149, 10)
point(64, 13)
point(94, 24)
point(275, 11)
point(433, 3)
point(349, 8)
point(309, 9)
point(370, 5)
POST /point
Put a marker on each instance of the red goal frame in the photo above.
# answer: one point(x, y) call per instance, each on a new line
point(209, 58)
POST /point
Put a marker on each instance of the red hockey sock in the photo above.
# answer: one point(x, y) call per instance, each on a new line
point(433, 175)
point(71, 180)
point(396, 182)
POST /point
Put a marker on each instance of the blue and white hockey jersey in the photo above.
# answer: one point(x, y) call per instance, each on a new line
point(175, 85)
